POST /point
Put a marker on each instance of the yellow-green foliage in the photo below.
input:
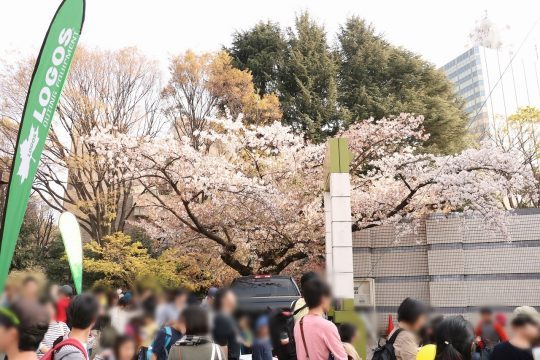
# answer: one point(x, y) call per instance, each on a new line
point(527, 114)
point(121, 262)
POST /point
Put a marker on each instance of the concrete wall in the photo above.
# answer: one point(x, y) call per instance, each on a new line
point(453, 263)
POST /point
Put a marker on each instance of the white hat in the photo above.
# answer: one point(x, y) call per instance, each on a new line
point(528, 311)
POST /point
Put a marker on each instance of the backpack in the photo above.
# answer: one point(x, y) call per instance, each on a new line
point(387, 351)
point(168, 337)
point(49, 355)
point(281, 324)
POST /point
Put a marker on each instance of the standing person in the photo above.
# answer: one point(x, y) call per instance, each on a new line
point(197, 344)
point(317, 338)
point(454, 340)
point(525, 331)
point(412, 317)
point(82, 314)
point(166, 337)
point(56, 330)
point(122, 314)
point(262, 347)
point(22, 327)
point(169, 311)
point(428, 336)
point(489, 333)
point(299, 307)
point(348, 334)
point(245, 333)
point(65, 292)
point(225, 331)
point(106, 339)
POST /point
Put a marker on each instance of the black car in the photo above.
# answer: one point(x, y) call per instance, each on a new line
point(258, 293)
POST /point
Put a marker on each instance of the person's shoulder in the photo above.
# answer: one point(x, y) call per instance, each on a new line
point(69, 352)
point(502, 345)
point(317, 321)
point(501, 349)
point(162, 331)
point(405, 336)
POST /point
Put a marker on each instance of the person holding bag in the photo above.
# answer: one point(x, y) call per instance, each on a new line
point(316, 337)
point(197, 344)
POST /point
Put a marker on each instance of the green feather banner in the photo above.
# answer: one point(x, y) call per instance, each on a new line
point(50, 73)
point(71, 236)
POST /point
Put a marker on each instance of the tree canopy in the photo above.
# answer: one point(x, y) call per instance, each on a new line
point(260, 50)
point(324, 90)
point(377, 79)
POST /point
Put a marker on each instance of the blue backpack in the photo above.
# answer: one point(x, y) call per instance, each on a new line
point(168, 337)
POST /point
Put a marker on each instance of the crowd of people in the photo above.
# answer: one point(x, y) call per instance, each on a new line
point(425, 336)
point(144, 324)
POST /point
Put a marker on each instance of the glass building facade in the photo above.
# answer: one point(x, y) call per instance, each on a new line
point(466, 72)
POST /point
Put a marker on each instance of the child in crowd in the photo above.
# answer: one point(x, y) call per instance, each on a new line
point(262, 347)
point(348, 334)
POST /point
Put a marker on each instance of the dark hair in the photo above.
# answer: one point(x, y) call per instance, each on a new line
point(429, 331)
point(455, 336)
point(220, 296)
point(47, 300)
point(173, 294)
point(347, 332)
point(119, 342)
point(314, 290)
point(82, 311)
point(410, 310)
point(486, 311)
point(196, 319)
point(523, 320)
point(33, 323)
point(310, 275)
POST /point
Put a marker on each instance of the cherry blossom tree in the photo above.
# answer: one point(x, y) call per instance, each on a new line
point(252, 194)
point(393, 183)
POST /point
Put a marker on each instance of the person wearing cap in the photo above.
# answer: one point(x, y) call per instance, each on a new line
point(262, 347)
point(525, 326)
point(65, 292)
point(22, 327)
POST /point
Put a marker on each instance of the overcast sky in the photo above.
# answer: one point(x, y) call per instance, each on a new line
point(438, 30)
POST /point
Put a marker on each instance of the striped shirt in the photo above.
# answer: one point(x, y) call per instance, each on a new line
point(56, 330)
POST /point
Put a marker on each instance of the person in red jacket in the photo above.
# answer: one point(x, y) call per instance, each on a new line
point(489, 333)
point(64, 298)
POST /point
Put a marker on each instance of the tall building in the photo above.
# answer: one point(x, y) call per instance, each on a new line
point(465, 71)
point(494, 83)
